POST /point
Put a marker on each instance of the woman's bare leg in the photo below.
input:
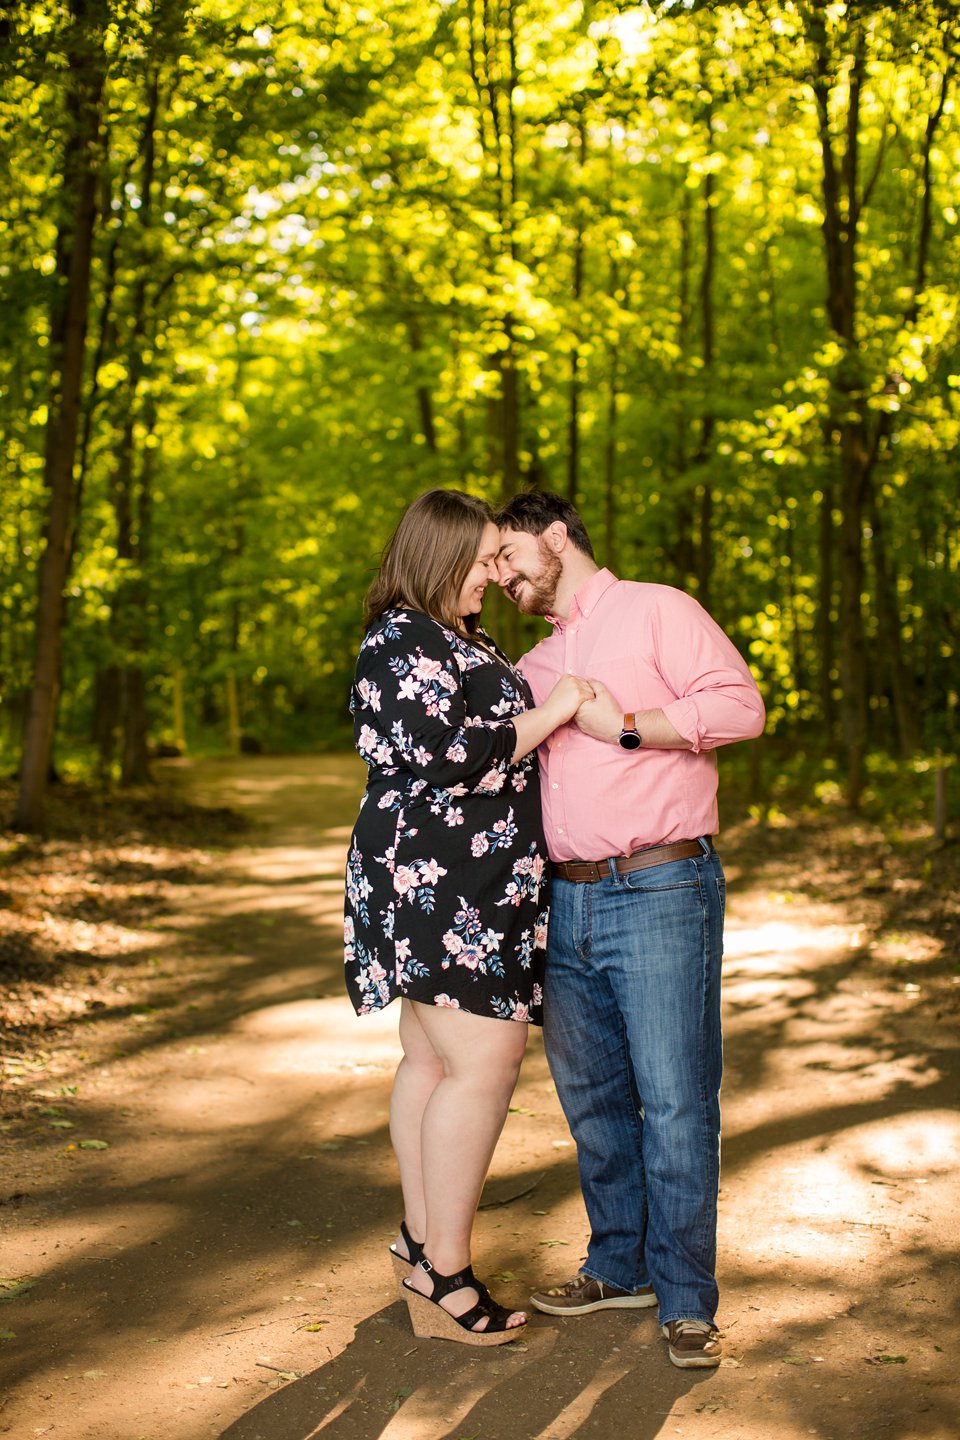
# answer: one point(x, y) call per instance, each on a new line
point(460, 1124)
point(418, 1074)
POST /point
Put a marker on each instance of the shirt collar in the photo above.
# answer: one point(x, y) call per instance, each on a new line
point(586, 598)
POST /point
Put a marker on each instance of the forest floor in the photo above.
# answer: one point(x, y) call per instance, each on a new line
point(197, 1189)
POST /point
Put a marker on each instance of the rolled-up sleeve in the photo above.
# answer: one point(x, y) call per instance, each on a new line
point(717, 697)
point(410, 712)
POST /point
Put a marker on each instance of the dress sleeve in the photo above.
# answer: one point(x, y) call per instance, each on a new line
point(410, 711)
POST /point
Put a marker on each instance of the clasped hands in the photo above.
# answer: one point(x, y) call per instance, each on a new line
point(591, 707)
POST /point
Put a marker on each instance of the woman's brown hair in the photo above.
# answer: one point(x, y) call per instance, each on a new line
point(428, 557)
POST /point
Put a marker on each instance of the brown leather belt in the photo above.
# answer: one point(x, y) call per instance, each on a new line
point(591, 870)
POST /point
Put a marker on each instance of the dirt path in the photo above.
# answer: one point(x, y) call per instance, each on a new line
point(214, 1267)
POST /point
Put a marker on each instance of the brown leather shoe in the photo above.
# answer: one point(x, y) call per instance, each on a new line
point(582, 1294)
point(693, 1344)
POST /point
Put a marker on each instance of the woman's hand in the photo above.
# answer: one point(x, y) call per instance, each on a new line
point(563, 702)
point(566, 697)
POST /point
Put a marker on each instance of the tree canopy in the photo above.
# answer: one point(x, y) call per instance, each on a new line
point(271, 269)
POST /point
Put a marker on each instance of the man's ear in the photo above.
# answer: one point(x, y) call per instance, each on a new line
point(556, 536)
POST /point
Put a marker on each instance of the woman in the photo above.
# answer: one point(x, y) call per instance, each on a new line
point(446, 887)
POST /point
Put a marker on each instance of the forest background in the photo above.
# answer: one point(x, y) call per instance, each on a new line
point(269, 269)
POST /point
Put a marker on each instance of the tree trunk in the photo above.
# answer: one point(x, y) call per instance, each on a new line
point(842, 209)
point(179, 713)
point(81, 172)
point(707, 422)
point(825, 628)
point(906, 709)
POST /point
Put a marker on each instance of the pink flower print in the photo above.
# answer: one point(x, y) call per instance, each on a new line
point(452, 943)
point(540, 935)
point(404, 879)
point(422, 756)
point(538, 868)
point(430, 871)
point(369, 694)
point(479, 845)
point(402, 950)
point(457, 754)
point(491, 782)
point(387, 799)
point(368, 739)
point(407, 689)
point(454, 815)
point(426, 669)
point(446, 1003)
point(520, 1011)
point(470, 957)
point(537, 994)
point(377, 972)
point(348, 931)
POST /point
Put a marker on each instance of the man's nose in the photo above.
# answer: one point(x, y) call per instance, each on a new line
point(504, 572)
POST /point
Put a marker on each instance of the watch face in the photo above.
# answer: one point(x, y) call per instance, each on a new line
point(630, 740)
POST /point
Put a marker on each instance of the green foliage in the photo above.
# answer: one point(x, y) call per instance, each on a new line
point(346, 252)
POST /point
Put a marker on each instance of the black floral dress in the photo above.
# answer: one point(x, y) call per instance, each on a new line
point(447, 876)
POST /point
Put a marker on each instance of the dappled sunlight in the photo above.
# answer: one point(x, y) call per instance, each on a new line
point(766, 945)
point(317, 1036)
point(915, 1145)
point(433, 1409)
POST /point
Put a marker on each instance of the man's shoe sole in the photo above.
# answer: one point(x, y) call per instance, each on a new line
point(695, 1362)
point(615, 1302)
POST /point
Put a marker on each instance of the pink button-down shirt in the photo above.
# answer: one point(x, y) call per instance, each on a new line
point(654, 648)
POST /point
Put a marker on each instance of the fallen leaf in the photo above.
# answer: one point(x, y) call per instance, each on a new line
point(794, 1359)
point(400, 1395)
point(885, 1359)
point(14, 1287)
point(92, 1145)
point(8, 1334)
point(315, 1325)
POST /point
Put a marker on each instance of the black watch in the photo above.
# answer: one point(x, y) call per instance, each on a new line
point(630, 737)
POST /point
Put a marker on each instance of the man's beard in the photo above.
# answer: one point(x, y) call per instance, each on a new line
point(539, 594)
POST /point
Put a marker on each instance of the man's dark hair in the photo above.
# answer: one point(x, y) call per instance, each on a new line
point(535, 510)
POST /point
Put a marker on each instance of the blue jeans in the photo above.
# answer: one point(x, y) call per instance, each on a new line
point(632, 1034)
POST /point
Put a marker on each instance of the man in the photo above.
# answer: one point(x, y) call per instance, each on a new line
point(632, 996)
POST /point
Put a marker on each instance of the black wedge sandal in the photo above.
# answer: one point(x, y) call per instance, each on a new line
point(431, 1321)
point(401, 1264)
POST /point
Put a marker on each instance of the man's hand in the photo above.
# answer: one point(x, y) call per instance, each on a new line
point(602, 717)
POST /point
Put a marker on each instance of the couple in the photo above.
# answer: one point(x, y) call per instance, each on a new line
point(447, 886)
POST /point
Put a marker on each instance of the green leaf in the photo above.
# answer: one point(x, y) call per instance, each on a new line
point(92, 1145)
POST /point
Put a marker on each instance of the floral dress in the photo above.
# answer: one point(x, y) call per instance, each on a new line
point(447, 877)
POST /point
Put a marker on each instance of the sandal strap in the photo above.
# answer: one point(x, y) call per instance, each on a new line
point(414, 1249)
point(486, 1307)
point(444, 1285)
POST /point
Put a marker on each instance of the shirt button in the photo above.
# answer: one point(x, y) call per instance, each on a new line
point(554, 786)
